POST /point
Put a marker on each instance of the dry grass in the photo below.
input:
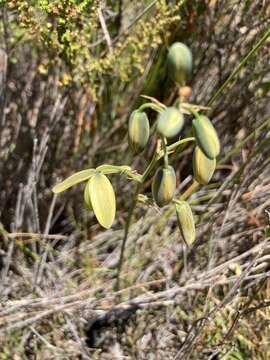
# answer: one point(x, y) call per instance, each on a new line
point(58, 269)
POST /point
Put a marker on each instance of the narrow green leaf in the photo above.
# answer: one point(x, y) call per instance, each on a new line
point(73, 180)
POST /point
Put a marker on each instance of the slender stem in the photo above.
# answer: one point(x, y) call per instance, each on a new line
point(152, 106)
point(193, 112)
point(165, 150)
point(130, 214)
point(154, 100)
point(239, 67)
point(150, 167)
point(175, 145)
point(244, 141)
point(126, 230)
point(190, 190)
point(180, 142)
point(137, 18)
point(148, 170)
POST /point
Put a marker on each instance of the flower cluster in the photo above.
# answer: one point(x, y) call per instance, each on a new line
point(99, 195)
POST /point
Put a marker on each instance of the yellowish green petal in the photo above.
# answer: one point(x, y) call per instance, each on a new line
point(87, 198)
point(102, 199)
point(73, 180)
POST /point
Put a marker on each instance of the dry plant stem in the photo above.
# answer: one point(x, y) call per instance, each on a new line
point(239, 67)
point(190, 190)
point(30, 237)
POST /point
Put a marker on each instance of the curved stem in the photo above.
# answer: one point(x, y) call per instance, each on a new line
point(175, 145)
point(152, 106)
point(193, 112)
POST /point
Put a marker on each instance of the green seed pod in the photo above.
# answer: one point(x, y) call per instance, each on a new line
point(86, 195)
point(206, 136)
point(170, 122)
point(102, 199)
point(185, 222)
point(163, 185)
point(179, 63)
point(203, 168)
point(138, 131)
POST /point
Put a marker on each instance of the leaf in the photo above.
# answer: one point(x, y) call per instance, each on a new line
point(73, 180)
point(102, 199)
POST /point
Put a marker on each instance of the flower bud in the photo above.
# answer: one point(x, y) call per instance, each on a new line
point(206, 136)
point(164, 185)
point(179, 63)
point(138, 131)
point(185, 222)
point(203, 168)
point(170, 122)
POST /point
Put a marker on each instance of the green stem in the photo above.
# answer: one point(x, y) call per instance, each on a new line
point(126, 230)
point(165, 150)
point(193, 112)
point(150, 167)
point(180, 142)
point(152, 106)
point(175, 145)
point(239, 67)
point(130, 214)
point(139, 186)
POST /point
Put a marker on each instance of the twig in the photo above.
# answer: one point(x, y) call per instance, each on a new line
point(239, 67)
point(35, 237)
point(105, 30)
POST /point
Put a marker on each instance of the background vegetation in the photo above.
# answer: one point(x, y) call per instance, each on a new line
point(71, 72)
